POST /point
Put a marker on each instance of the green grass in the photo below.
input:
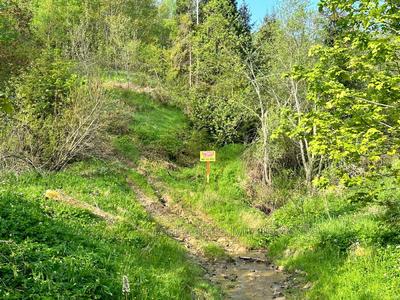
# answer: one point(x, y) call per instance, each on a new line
point(348, 250)
point(128, 147)
point(50, 250)
point(214, 251)
point(157, 130)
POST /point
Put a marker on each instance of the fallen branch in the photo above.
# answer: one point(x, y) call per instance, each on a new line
point(61, 197)
point(253, 259)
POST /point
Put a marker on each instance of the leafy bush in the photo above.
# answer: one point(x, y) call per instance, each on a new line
point(58, 115)
point(17, 46)
point(347, 244)
point(223, 118)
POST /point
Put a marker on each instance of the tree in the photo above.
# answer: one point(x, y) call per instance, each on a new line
point(17, 45)
point(220, 83)
point(244, 28)
point(245, 19)
point(355, 85)
point(280, 101)
point(181, 52)
point(52, 20)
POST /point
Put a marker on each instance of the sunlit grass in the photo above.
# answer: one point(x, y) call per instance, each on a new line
point(50, 249)
point(163, 132)
point(346, 250)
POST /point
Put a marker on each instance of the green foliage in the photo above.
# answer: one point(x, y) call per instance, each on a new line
point(53, 19)
point(57, 116)
point(14, 17)
point(221, 83)
point(5, 105)
point(17, 45)
point(99, 33)
point(214, 251)
point(44, 90)
point(347, 245)
point(355, 85)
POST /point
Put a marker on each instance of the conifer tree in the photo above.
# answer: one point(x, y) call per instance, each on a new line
point(222, 86)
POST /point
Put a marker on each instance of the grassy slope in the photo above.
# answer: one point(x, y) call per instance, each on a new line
point(48, 249)
point(51, 249)
point(347, 250)
point(162, 133)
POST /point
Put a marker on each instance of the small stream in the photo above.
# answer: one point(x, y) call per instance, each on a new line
point(248, 276)
point(244, 274)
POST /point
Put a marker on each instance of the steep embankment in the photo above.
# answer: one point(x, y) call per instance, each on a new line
point(343, 245)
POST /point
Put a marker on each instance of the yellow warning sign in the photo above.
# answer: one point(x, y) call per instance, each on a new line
point(208, 156)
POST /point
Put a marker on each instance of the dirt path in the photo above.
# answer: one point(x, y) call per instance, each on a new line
point(241, 274)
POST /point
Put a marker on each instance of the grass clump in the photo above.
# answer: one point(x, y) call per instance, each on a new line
point(214, 251)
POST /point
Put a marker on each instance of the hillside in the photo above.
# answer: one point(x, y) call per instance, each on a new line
point(60, 245)
point(109, 111)
point(51, 249)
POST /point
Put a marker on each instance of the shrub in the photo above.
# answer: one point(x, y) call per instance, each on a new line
point(58, 115)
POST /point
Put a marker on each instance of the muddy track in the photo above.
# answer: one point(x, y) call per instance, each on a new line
point(242, 274)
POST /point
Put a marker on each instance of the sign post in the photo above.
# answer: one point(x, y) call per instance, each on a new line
point(208, 157)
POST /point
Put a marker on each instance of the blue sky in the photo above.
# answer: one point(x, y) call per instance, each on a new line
point(259, 8)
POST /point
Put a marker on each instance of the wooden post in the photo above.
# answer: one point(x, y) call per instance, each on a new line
point(208, 157)
point(208, 164)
